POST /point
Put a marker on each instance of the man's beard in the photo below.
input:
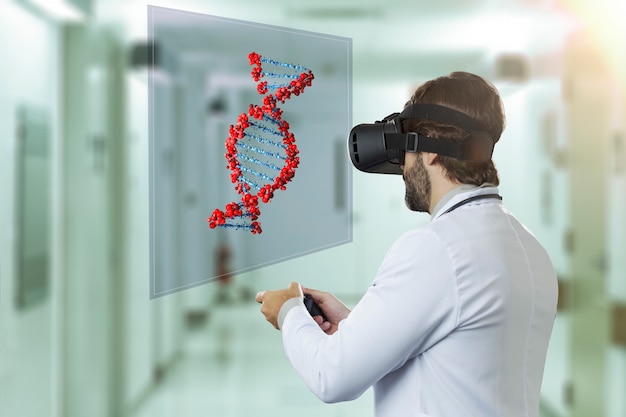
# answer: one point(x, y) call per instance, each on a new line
point(418, 188)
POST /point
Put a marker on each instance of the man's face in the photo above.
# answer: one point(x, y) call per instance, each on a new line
point(417, 183)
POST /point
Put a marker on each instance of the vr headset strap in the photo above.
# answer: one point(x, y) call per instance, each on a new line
point(412, 142)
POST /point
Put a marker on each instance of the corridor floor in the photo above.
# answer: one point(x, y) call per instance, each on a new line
point(234, 366)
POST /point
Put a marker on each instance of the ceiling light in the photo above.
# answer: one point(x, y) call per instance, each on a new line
point(61, 10)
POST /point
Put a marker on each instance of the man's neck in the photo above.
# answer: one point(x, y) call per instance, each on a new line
point(439, 190)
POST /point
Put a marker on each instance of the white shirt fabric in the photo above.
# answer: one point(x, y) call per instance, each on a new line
point(455, 323)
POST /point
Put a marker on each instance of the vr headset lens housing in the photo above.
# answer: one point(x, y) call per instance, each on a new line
point(380, 147)
point(369, 152)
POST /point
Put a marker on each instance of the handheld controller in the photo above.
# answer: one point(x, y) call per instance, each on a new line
point(313, 308)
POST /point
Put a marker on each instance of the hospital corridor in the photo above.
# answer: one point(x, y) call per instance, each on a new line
point(118, 299)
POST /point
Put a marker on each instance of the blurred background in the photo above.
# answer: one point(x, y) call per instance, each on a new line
point(79, 334)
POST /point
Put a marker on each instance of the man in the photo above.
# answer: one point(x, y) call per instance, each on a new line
point(458, 318)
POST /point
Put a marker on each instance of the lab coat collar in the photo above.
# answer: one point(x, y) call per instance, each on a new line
point(459, 194)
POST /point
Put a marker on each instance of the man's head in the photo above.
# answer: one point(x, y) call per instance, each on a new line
point(472, 95)
point(466, 93)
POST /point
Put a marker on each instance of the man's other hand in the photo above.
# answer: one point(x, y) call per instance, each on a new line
point(272, 301)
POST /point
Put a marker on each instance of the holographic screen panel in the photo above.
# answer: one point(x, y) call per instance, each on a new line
point(199, 84)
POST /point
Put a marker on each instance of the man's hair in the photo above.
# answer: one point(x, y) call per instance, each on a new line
point(472, 95)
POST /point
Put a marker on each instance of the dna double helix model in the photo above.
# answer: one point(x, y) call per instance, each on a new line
point(261, 151)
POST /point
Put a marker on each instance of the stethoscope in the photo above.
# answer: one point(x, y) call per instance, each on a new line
point(469, 200)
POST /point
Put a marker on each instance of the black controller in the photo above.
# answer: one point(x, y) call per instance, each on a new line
point(313, 308)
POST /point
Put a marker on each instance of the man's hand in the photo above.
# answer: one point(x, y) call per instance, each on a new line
point(334, 310)
point(272, 301)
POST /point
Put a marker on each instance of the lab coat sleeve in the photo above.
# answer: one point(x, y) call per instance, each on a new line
point(410, 306)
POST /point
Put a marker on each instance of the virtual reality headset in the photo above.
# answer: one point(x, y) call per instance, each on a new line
point(380, 147)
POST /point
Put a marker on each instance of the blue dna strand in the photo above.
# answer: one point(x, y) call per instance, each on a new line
point(261, 151)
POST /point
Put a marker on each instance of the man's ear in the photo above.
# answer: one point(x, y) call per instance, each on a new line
point(430, 158)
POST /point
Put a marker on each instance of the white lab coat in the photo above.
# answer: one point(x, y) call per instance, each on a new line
point(456, 322)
